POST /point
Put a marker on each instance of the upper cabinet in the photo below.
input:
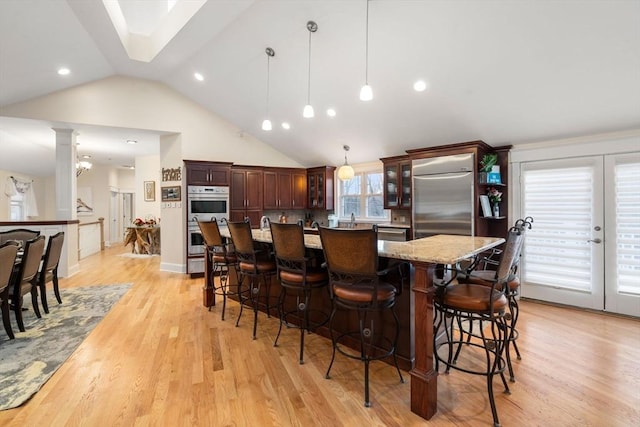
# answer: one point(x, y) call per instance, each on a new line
point(320, 187)
point(284, 188)
point(246, 193)
point(397, 182)
point(207, 173)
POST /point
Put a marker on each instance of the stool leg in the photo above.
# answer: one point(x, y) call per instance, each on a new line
point(333, 340)
point(241, 296)
point(281, 313)
point(304, 307)
point(255, 294)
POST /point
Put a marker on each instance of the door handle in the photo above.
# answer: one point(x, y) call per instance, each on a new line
point(595, 240)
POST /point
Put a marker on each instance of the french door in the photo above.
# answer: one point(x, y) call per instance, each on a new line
point(584, 247)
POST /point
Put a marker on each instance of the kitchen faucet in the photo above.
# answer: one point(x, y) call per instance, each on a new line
point(353, 220)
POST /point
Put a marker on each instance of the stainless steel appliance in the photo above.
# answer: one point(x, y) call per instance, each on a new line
point(204, 204)
point(443, 195)
point(395, 234)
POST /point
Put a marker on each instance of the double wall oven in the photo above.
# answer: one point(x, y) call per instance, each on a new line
point(204, 204)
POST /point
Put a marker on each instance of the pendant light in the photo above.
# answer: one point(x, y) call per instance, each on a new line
point(366, 94)
point(345, 172)
point(266, 124)
point(308, 109)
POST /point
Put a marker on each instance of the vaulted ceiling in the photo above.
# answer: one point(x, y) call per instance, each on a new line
point(506, 72)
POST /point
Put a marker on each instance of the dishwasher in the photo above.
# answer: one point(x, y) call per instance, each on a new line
point(396, 234)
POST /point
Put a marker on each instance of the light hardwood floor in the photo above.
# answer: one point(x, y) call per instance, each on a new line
point(161, 358)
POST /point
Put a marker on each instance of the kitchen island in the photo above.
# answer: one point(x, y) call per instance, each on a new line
point(423, 254)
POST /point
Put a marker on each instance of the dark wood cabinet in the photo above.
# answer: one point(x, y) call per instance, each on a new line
point(397, 182)
point(207, 173)
point(320, 188)
point(246, 193)
point(284, 188)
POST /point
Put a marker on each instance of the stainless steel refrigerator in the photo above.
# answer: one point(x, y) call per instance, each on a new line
point(443, 195)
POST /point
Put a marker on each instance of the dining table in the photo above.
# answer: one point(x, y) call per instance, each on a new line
point(424, 255)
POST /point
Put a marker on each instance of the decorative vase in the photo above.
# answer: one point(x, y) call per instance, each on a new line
point(496, 210)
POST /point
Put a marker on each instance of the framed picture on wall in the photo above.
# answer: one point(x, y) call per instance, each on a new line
point(149, 191)
point(171, 194)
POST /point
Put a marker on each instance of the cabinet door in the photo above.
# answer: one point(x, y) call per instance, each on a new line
point(197, 175)
point(391, 186)
point(253, 190)
point(311, 190)
point(238, 198)
point(270, 193)
point(299, 192)
point(284, 190)
point(219, 176)
point(320, 190)
point(404, 187)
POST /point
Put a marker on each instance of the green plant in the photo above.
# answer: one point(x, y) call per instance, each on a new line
point(488, 161)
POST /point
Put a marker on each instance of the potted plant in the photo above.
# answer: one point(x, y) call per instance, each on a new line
point(487, 163)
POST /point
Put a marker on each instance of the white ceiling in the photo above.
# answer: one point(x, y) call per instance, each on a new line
point(506, 72)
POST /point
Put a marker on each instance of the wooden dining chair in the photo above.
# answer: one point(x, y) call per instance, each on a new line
point(49, 270)
point(8, 253)
point(24, 281)
point(18, 234)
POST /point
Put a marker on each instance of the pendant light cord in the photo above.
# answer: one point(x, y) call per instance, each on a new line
point(366, 51)
point(309, 79)
point(268, 75)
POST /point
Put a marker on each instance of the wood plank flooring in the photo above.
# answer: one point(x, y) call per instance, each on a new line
point(160, 358)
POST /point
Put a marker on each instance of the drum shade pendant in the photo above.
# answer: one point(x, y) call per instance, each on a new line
point(345, 173)
point(366, 94)
point(308, 109)
point(266, 124)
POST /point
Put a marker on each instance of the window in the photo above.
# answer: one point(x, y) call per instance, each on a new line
point(362, 195)
point(17, 207)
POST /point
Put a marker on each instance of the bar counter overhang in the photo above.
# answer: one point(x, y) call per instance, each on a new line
point(416, 307)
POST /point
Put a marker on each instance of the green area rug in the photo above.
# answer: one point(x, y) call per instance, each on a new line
point(29, 360)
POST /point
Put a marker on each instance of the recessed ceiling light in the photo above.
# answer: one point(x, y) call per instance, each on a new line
point(331, 112)
point(128, 167)
point(131, 141)
point(420, 86)
point(64, 71)
point(286, 125)
point(86, 156)
point(199, 77)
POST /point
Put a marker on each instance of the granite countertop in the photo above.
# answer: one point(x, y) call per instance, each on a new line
point(440, 249)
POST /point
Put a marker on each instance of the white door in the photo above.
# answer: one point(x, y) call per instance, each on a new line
point(127, 212)
point(585, 223)
point(114, 205)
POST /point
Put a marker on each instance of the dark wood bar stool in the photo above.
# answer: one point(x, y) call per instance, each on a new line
point(256, 265)
point(356, 284)
point(458, 305)
point(221, 256)
point(298, 276)
point(8, 254)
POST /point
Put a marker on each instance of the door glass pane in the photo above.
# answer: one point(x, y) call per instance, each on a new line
point(557, 249)
point(627, 235)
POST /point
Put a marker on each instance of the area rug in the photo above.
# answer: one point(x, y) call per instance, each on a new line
point(29, 360)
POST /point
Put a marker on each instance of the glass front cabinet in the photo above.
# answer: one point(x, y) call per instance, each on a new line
point(397, 182)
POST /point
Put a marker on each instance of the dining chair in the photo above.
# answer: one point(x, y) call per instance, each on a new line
point(459, 305)
point(299, 276)
point(220, 256)
point(19, 234)
point(8, 254)
point(256, 265)
point(356, 284)
point(49, 270)
point(25, 280)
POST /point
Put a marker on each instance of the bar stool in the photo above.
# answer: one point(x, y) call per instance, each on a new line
point(356, 284)
point(480, 273)
point(456, 304)
point(254, 263)
point(221, 257)
point(297, 275)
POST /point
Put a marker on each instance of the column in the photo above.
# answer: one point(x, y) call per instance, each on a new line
point(66, 188)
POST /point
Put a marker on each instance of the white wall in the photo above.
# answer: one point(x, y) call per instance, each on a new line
point(147, 169)
point(144, 104)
